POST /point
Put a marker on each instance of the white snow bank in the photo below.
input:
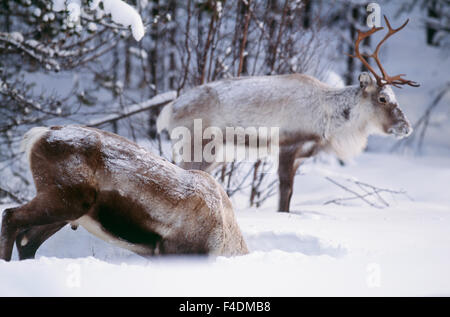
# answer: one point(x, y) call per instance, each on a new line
point(314, 250)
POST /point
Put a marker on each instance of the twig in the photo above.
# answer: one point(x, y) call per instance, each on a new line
point(130, 110)
point(422, 124)
point(369, 191)
point(244, 39)
point(13, 197)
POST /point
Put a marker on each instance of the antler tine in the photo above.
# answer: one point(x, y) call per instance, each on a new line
point(385, 79)
point(362, 36)
point(394, 80)
point(397, 29)
point(391, 32)
point(398, 80)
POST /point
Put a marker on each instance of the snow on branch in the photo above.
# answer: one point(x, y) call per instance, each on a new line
point(121, 13)
point(157, 101)
point(52, 57)
point(32, 48)
point(126, 15)
point(15, 94)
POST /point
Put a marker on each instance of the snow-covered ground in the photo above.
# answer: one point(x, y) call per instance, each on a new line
point(317, 249)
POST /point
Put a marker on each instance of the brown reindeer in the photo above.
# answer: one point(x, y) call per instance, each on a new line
point(311, 116)
point(120, 193)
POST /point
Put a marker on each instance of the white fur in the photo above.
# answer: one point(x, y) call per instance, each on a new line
point(388, 93)
point(348, 144)
point(164, 118)
point(342, 117)
point(308, 146)
point(24, 241)
point(30, 138)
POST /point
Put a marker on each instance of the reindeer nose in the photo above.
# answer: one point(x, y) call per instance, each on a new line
point(409, 130)
point(401, 130)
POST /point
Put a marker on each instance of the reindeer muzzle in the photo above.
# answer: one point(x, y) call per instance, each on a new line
point(401, 130)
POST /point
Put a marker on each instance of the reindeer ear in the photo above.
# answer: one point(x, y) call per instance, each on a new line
point(365, 80)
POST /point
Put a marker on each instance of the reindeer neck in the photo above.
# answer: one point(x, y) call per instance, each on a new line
point(343, 98)
point(347, 129)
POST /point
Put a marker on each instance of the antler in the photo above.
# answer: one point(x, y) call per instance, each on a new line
point(385, 79)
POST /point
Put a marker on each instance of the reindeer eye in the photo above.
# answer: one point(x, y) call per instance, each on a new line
point(382, 100)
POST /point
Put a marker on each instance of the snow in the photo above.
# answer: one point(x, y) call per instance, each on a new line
point(92, 27)
point(121, 13)
point(37, 12)
point(74, 11)
point(315, 250)
point(17, 36)
point(49, 17)
point(155, 101)
point(126, 15)
point(142, 54)
point(59, 5)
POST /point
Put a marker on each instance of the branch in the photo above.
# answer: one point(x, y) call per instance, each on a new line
point(422, 124)
point(16, 96)
point(13, 197)
point(32, 48)
point(55, 57)
point(157, 101)
point(368, 191)
point(244, 39)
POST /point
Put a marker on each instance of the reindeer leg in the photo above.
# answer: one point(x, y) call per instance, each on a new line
point(290, 158)
point(47, 208)
point(7, 236)
point(29, 241)
point(286, 174)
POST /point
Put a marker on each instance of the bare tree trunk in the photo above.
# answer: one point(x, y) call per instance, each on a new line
point(307, 14)
point(127, 78)
point(350, 60)
point(242, 56)
point(272, 9)
point(7, 17)
point(187, 63)
point(153, 63)
point(433, 12)
point(254, 189)
point(203, 58)
point(116, 62)
point(172, 41)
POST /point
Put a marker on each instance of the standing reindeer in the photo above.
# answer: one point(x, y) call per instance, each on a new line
point(122, 194)
point(311, 115)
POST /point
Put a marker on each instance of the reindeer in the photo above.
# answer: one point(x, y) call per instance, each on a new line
point(311, 115)
point(122, 194)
